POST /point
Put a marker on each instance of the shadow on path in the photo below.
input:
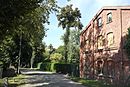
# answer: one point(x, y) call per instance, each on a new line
point(47, 79)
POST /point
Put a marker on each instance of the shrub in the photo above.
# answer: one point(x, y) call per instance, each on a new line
point(71, 69)
point(45, 66)
point(1, 63)
point(10, 72)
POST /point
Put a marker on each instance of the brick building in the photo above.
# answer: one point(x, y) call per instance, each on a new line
point(101, 44)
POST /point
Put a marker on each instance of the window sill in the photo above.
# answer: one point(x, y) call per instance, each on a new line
point(110, 48)
point(109, 22)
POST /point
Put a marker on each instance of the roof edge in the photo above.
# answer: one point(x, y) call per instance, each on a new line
point(100, 11)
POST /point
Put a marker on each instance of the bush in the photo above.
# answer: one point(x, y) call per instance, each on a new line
point(71, 69)
point(45, 66)
point(10, 72)
point(63, 68)
point(1, 64)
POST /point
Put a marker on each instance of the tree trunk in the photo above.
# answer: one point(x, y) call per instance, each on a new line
point(66, 41)
point(32, 58)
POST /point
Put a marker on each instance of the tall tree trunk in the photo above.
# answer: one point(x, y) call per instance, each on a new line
point(32, 58)
point(66, 41)
point(20, 43)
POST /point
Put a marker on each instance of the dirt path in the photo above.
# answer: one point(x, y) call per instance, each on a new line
point(48, 79)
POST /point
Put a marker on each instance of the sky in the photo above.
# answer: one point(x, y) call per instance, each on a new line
point(88, 9)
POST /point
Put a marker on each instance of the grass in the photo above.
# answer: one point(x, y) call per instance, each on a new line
point(90, 83)
point(17, 80)
point(1, 82)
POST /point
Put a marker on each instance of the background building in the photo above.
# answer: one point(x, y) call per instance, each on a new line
point(101, 44)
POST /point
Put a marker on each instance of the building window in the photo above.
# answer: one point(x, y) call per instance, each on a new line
point(99, 66)
point(109, 17)
point(110, 39)
point(100, 42)
point(100, 22)
point(87, 42)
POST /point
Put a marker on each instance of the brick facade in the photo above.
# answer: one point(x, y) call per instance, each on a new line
point(101, 44)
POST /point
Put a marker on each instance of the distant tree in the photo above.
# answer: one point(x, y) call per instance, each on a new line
point(51, 49)
point(68, 18)
point(56, 57)
point(60, 50)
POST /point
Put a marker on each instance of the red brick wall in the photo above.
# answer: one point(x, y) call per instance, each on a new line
point(119, 25)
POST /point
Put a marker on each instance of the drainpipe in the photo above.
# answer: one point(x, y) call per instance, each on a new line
point(121, 47)
point(93, 49)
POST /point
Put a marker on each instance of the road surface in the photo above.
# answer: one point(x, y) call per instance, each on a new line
point(47, 79)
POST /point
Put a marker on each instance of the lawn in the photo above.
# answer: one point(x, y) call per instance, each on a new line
point(1, 82)
point(90, 83)
point(17, 80)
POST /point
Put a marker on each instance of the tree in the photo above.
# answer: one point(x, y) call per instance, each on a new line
point(56, 57)
point(60, 50)
point(127, 44)
point(24, 18)
point(11, 11)
point(68, 18)
point(73, 49)
point(51, 49)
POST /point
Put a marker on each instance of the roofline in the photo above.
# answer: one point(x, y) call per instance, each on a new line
point(105, 8)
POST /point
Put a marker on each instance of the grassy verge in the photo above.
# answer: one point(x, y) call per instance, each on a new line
point(1, 82)
point(90, 83)
point(18, 80)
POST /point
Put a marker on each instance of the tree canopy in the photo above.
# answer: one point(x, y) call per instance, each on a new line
point(69, 18)
point(23, 22)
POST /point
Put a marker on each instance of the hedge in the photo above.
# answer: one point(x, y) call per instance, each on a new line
point(64, 68)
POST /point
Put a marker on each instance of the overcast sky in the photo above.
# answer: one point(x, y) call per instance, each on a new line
point(88, 9)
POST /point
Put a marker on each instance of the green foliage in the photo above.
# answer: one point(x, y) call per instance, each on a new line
point(46, 56)
point(11, 11)
point(17, 80)
point(60, 50)
point(51, 49)
point(127, 44)
point(73, 47)
point(26, 19)
point(1, 82)
point(56, 57)
point(69, 18)
point(71, 69)
point(1, 63)
point(45, 66)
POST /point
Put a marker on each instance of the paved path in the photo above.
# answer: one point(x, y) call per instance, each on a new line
point(48, 79)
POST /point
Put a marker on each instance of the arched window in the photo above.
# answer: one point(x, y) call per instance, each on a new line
point(110, 39)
